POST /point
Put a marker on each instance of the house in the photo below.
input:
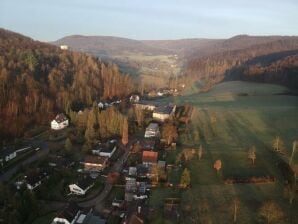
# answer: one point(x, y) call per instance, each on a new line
point(142, 171)
point(132, 171)
point(35, 179)
point(152, 130)
point(60, 122)
point(63, 47)
point(117, 203)
point(134, 98)
point(163, 113)
point(73, 214)
point(7, 155)
point(108, 149)
point(161, 164)
point(146, 105)
point(130, 188)
point(149, 158)
point(148, 143)
point(82, 186)
point(134, 219)
point(60, 161)
point(95, 163)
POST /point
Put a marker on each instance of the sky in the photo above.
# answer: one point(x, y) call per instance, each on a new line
point(49, 20)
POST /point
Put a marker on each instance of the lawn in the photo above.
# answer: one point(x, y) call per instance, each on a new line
point(230, 119)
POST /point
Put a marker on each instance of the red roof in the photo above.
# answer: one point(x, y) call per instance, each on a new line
point(149, 157)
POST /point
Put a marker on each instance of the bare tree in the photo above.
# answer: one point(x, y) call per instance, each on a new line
point(295, 143)
point(236, 203)
point(289, 192)
point(139, 116)
point(217, 165)
point(278, 145)
point(200, 152)
point(271, 212)
point(252, 154)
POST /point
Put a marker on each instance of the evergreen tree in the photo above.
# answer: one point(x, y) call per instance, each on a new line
point(185, 178)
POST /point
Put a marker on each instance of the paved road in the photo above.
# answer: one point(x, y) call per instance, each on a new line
point(98, 201)
point(44, 150)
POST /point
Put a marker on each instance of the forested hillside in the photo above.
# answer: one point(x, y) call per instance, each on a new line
point(236, 64)
point(38, 79)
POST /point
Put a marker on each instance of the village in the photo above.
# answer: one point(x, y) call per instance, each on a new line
point(112, 182)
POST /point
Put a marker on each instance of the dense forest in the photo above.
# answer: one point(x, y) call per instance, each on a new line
point(216, 67)
point(38, 80)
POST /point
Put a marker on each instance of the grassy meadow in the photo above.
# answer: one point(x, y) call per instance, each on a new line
point(227, 121)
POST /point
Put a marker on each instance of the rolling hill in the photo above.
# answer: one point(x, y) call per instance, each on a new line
point(211, 60)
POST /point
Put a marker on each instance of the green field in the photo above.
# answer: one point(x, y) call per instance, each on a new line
point(230, 118)
point(150, 68)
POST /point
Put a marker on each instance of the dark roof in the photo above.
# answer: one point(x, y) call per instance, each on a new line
point(95, 159)
point(85, 182)
point(148, 143)
point(108, 146)
point(6, 152)
point(148, 102)
point(69, 212)
point(60, 118)
point(152, 126)
point(36, 176)
point(164, 109)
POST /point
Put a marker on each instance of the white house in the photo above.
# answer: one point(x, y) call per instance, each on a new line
point(108, 149)
point(63, 47)
point(59, 122)
point(134, 98)
point(163, 113)
point(7, 155)
point(82, 186)
point(152, 130)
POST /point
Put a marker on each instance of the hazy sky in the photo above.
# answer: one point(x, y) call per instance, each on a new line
point(149, 19)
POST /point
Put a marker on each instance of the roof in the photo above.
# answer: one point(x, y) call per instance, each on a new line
point(69, 212)
point(149, 156)
point(148, 143)
point(108, 146)
point(134, 219)
point(85, 182)
point(6, 152)
point(36, 176)
point(89, 219)
point(153, 126)
point(161, 164)
point(95, 159)
point(147, 102)
point(164, 109)
point(60, 118)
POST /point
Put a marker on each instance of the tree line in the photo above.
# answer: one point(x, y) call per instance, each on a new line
point(38, 80)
